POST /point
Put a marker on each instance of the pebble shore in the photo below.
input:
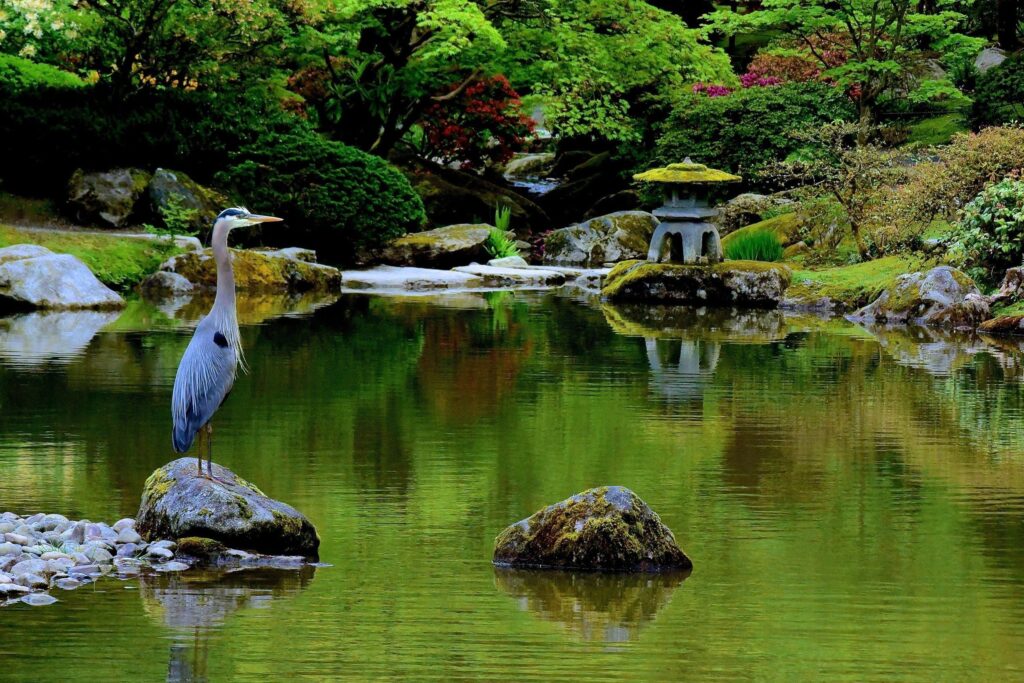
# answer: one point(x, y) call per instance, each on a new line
point(44, 552)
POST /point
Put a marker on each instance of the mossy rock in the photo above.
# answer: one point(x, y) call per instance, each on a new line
point(177, 503)
point(942, 297)
point(786, 227)
point(256, 271)
point(618, 236)
point(608, 528)
point(752, 284)
point(1004, 324)
point(107, 198)
point(447, 247)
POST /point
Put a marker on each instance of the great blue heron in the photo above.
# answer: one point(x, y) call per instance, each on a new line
point(208, 367)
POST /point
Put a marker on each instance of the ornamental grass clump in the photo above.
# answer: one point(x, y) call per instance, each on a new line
point(755, 246)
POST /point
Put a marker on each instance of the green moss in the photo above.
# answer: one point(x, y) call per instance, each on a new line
point(630, 272)
point(684, 173)
point(205, 512)
point(458, 232)
point(116, 260)
point(199, 546)
point(254, 272)
point(157, 485)
point(784, 226)
point(1012, 308)
point(244, 511)
point(855, 285)
point(937, 130)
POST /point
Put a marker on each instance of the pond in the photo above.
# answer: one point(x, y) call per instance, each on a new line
point(852, 499)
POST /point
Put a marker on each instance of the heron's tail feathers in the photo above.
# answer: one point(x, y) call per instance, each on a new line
point(182, 438)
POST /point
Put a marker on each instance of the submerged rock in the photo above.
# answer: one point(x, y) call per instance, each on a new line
point(731, 283)
point(256, 271)
point(34, 277)
point(454, 245)
point(176, 503)
point(1004, 324)
point(608, 528)
point(605, 239)
point(943, 297)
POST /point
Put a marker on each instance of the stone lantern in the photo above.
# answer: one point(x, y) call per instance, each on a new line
point(690, 239)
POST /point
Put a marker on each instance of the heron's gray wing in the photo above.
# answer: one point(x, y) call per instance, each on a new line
point(205, 376)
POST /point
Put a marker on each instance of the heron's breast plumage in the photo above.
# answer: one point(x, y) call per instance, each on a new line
point(205, 376)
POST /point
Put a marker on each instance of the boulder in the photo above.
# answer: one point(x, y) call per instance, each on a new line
point(745, 209)
point(1012, 288)
point(1004, 324)
point(988, 58)
point(108, 198)
point(34, 277)
point(256, 271)
point(165, 283)
point(608, 528)
point(166, 184)
point(615, 237)
point(454, 245)
point(943, 296)
point(509, 262)
point(529, 165)
point(413, 279)
point(513, 277)
point(177, 503)
point(751, 284)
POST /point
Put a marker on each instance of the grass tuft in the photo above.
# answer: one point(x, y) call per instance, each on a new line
point(761, 245)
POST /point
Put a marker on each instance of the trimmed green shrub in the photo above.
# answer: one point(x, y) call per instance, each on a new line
point(338, 199)
point(999, 94)
point(18, 74)
point(748, 129)
point(990, 234)
point(761, 245)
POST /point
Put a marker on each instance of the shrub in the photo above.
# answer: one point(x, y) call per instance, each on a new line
point(18, 74)
point(999, 94)
point(502, 217)
point(761, 245)
point(338, 199)
point(748, 129)
point(990, 234)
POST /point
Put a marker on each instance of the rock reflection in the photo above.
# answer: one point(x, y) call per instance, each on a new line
point(942, 352)
point(196, 603)
point(44, 337)
point(594, 606)
point(253, 308)
point(687, 322)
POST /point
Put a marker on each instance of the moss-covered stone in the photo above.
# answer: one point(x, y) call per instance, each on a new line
point(943, 297)
point(786, 227)
point(176, 503)
point(256, 271)
point(200, 547)
point(686, 172)
point(751, 284)
point(849, 287)
point(1004, 324)
point(448, 247)
point(606, 239)
point(607, 528)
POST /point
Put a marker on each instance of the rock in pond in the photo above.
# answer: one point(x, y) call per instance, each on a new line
point(108, 197)
point(492, 276)
point(608, 528)
point(411, 279)
point(1004, 324)
point(33, 277)
point(166, 283)
point(257, 271)
point(605, 239)
point(176, 503)
point(943, 297)
point(454, 245)
point(752, 284)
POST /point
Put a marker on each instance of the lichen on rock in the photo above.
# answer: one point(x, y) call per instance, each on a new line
point(256, 271)
point(606, 239)
point(944, 297)
point(731, 283)
point(176, 503)
point(608, 528)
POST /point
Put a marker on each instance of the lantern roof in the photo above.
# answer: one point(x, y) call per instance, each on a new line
point(686, 173)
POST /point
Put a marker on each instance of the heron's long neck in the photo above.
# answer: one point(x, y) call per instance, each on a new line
point(224, 305)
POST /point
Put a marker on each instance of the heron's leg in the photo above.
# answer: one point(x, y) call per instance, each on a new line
point(199, 452)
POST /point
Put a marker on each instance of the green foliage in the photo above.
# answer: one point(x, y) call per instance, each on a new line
point(338, 198)
point(117, 261)
point(990, 234)
point(498, 244)
point(760, 245)
point(999, 94)
point(502, 217)
point(745, 131)
point(18, 74)
point(937, 130)
point(178, 219)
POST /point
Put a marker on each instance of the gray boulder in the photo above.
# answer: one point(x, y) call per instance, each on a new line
point(255, 271)
point(615, 237)
point(107, 198)
point(607, 528)
point(454, 245)
point(530, 165)
point(166, 185)
point(166, 283)
point(988, 58)
point(176, 503)
point(943, 297)
point(34, 277)
point(744, 209)
point(750, 284)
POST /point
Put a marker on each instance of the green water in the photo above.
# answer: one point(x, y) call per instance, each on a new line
point(853, 501)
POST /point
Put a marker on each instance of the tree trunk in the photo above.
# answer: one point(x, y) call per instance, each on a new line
point(1006, 24)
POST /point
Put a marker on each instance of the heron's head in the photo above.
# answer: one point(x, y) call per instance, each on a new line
point(240, 217)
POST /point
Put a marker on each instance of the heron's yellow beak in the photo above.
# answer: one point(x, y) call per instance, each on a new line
point(254, 218)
